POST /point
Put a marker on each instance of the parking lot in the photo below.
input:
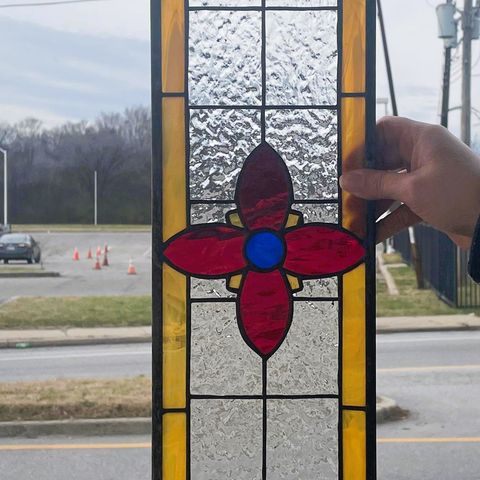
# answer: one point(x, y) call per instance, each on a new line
point(78, 278)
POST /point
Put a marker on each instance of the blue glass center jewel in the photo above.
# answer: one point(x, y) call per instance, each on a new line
point(264, 250)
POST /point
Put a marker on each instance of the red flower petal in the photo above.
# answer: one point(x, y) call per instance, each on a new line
point(264, 190)
point(213, 250)
point(318, 250)
point(265, 311)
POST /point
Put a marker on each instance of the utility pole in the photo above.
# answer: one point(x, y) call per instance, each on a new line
point(5, 187)
point(466, 125)
point(95, 204)
point(446, 86)
point(387, 60)
point(415, 254)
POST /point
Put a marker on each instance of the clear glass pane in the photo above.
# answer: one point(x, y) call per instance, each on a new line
point(301, 3)
point(323, 287)
point(307, 361)
point(225, 58)
point(226, 3)
point(325, 213)
point(202, 288)
point(221, 362)
point(220, 141)
point(301, 58)
point(226, 439)
point(209, 212)
point(302, 439)
point(307, 142)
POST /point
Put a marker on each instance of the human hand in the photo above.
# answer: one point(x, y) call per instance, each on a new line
point(434, 175)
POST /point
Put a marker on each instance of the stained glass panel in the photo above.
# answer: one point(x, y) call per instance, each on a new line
point(263, 269)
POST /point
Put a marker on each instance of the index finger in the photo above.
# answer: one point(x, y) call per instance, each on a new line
point(396, 138)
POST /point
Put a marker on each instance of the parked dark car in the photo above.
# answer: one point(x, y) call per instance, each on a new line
point(19, 246)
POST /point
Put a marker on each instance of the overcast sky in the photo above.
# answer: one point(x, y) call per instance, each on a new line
point(74, 61)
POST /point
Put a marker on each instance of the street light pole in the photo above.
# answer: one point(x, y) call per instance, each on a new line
point(95, 197)
point(467, 72)
point(5, 187)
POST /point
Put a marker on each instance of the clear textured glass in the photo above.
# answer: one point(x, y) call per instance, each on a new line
point(307, 361)
point(307, 141)
point(301, 3)
point(209, 212)
point(323, 287)
point(301, 61)
point(324, 213)
point(302, 439)
point(226, 439)
point(220, 141)
point(229, 3)
point(221, 362)
point(225, 58)
point(203, 288)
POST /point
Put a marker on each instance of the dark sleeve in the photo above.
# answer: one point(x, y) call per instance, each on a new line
point(474, 261)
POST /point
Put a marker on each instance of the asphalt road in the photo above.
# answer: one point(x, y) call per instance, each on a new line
point(78, 277)
point(436, 376)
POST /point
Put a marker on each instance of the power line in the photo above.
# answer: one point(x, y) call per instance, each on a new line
point(46, 4)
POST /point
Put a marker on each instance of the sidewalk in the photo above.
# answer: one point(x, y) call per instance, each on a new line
point(93, 336)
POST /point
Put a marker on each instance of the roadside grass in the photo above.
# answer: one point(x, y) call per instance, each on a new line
point(20, 268)
point(36, 228)
point(75, 399)
point(391, 258)
point(411, 301)
point(78, 312)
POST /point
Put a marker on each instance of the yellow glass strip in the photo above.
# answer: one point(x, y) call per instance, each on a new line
point(353, 337)
point(354, 445)
point(174, 338)
point(174, 446)
point(235, 282)
point(293, 219)
point(173, 46)
point(294, 282)
point(354, 46)
point(353, 157)
point(174, 208)
point(174, 284)
point(234, 219)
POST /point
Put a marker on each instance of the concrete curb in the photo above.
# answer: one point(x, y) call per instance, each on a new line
point(36, 343)
point(29, 275)
point(387, 410)
point(73, 336)
point(85, 428)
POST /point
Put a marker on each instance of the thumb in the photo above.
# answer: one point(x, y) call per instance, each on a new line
point(374, 184)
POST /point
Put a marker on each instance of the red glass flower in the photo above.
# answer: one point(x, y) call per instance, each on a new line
point(264, 250)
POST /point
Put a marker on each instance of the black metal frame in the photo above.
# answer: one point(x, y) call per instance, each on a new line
point(157, 236)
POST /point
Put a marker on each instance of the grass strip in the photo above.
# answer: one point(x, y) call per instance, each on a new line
point(79, 228)
point(75, 399)
point(78, 312)
point(411, 301)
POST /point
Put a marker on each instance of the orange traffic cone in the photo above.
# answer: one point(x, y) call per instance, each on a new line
point(89, 254)
point(105, 248)
point(97, 265)
point(76, 255)
point(131, 268)
point(99, 251)
point(105, 259)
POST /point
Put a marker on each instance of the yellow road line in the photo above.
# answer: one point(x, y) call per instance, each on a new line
point(431, 440)
point(438, 368)
point(74, 446)
point(124, 446)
